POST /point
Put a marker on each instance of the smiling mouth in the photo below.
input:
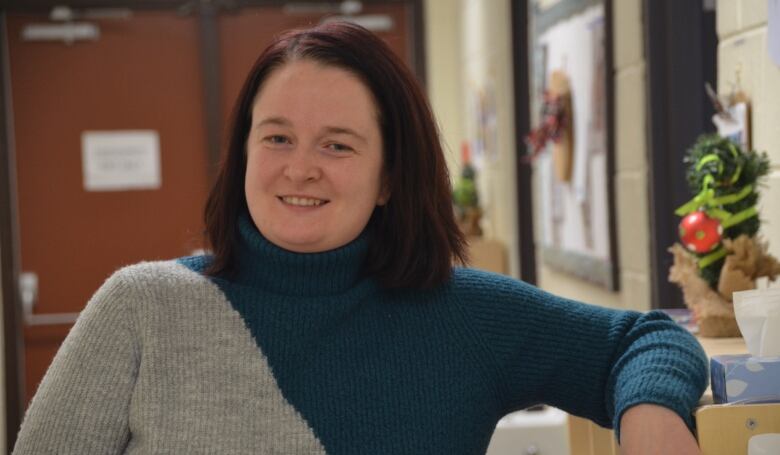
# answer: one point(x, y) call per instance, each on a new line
point(302, 201)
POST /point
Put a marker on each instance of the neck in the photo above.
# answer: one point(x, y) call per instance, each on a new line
point(265, 265)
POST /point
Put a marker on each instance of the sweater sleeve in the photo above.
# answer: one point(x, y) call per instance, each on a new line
point(588, 360)
point(82, 404)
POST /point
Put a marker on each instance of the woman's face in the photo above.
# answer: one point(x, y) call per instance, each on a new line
point(314, 157)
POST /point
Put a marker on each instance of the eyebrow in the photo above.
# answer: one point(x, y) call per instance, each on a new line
point(342, 130)
point(274, 121)
point(282, 121)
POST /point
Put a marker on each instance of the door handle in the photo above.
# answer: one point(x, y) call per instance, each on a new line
point(28, 290)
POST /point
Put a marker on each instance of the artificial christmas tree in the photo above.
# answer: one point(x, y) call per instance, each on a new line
point(720, 252)
point(466, 198)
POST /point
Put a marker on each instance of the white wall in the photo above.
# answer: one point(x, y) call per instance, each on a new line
point(469, 48)
point(487, 67)
point(742, 35)
point(443, 43)
point(631, 166)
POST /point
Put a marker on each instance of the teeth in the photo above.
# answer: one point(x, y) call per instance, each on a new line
point(302, 201)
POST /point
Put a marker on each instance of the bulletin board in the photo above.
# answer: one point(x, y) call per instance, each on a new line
point(575, 222)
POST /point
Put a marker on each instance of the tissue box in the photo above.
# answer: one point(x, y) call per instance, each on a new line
point(742, 378)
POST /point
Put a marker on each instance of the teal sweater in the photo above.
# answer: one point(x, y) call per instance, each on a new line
point(300, 353)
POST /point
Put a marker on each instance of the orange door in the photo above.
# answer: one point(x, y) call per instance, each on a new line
point(143, 73)
point(245, 33)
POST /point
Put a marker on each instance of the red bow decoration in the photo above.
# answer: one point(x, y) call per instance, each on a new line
point(554, 122)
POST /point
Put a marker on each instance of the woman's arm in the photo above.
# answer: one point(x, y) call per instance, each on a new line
point(82, 404)
point(590, 361)
point(654, 430)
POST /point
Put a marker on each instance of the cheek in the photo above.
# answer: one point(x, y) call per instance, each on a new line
point(250, 179)
point(367, 190)
point(253, 179)
point(258, 172)
point(378, 181)
point(254, 183)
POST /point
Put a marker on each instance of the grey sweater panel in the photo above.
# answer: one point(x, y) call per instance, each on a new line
point(159, 362)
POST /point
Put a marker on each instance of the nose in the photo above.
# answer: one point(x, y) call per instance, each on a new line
point(302, 167)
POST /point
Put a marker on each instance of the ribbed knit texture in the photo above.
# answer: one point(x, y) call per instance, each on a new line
point(301, 354)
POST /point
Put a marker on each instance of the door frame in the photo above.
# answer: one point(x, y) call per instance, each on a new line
point(523, 168)
point(681, 49)
point(9, 259)
point(9, 230)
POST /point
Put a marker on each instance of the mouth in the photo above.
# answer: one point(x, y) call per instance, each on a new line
point(302, 201)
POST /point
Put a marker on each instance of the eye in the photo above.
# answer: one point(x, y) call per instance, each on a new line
point(337, 147)
point(276, 139)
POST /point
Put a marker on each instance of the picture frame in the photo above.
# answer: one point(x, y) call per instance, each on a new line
point(575, 219)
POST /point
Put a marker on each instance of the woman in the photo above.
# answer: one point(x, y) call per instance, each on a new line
point(329, 318)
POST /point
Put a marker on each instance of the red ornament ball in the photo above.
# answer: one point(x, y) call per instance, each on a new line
point(700, 233)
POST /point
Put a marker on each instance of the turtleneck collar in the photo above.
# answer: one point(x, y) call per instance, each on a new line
point(264, 265)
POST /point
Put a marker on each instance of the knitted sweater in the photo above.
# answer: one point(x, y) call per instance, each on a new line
point(301, 354)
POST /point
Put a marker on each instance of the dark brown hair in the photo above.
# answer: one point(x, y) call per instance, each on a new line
point(413, 239)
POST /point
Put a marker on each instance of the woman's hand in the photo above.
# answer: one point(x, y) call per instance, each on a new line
point(648, 429)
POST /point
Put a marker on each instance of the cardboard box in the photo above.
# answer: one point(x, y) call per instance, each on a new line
point(745, 379)
point(489, 255)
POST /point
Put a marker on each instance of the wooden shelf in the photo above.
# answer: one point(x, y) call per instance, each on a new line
point(726, 429)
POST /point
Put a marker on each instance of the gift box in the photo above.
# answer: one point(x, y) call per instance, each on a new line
point(745, 379)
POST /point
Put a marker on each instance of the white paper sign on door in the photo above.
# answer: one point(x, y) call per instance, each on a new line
point(121, 160)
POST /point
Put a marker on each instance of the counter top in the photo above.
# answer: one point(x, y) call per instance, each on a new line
point(723, 346)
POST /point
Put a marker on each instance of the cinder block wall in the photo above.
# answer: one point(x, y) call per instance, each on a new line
point(743, 54)
point(631, 166)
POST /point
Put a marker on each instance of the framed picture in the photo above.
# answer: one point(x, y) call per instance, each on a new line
point(574, 187)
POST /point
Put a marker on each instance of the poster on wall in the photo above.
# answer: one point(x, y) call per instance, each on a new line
point(573, 204)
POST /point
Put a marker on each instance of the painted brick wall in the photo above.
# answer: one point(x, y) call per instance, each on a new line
point(743, 58)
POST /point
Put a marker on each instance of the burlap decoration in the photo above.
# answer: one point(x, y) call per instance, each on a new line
point(747, 260)
point(714, 314)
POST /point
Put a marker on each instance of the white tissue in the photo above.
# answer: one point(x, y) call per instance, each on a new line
point(764, 444)
point(758, 317)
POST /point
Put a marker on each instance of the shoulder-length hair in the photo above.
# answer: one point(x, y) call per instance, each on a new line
point(414, 238)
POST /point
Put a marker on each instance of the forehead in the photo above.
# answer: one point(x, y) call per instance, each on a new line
point(306, 87)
